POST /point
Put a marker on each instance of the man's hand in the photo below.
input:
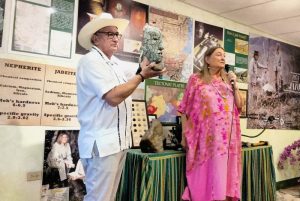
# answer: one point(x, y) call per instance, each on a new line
point(147, 69)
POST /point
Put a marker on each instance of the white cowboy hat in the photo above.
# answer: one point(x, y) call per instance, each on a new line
point(103, 20)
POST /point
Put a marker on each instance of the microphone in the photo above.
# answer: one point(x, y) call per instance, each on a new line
point(227, 67)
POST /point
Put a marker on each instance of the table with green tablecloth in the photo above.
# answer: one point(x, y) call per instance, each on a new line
point(161, 176)
point(153, 176)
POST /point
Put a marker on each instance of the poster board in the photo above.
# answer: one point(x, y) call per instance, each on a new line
point(51, 25)
point(163, 98)
point(140, 122)
point(33, 94)
point(236, 48)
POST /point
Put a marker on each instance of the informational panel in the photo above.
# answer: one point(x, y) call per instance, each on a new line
point(274, 84)
point(236, 47)
point(60, 98)
point(21, 92)
point(177, 31)
point(35, 94)
point(163, 98)
point(48, 31)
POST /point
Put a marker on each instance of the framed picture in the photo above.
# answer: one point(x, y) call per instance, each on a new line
point(244, 94)
point(170, 135)
point(140, 121)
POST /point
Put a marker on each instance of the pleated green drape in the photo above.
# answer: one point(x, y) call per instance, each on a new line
point(259, 182)
point(152, 177)
point(161, 176)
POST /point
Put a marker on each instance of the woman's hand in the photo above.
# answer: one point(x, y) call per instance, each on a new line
point(232, 78)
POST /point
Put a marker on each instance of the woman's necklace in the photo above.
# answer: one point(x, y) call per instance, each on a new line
point(223, 96)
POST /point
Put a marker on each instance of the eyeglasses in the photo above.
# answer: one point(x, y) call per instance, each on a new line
point(111, 35)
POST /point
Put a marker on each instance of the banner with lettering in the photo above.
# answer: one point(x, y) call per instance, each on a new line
point(36, 94)
point(274, 85)
point(163, 98)
point(21, 92)
point(60, 97)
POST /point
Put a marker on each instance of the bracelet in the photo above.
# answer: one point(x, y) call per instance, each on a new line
point(143, 78)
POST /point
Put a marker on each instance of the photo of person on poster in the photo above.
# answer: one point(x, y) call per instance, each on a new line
point(60, 158)
point(62, 169)
point(256, 68)
point(273, 84)
point(206, 36)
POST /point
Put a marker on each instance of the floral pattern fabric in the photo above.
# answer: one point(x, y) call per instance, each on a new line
point(212, 130)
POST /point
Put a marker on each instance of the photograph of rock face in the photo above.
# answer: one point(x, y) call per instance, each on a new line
point(273, 84)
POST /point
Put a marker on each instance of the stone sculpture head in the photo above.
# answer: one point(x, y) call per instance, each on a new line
point(152, 45)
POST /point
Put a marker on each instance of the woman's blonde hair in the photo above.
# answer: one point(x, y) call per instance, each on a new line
point(204, 73)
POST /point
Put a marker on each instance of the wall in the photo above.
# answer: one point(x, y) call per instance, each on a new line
point(22, 146)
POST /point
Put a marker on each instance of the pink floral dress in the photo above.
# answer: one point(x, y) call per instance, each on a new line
point(212, 173)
